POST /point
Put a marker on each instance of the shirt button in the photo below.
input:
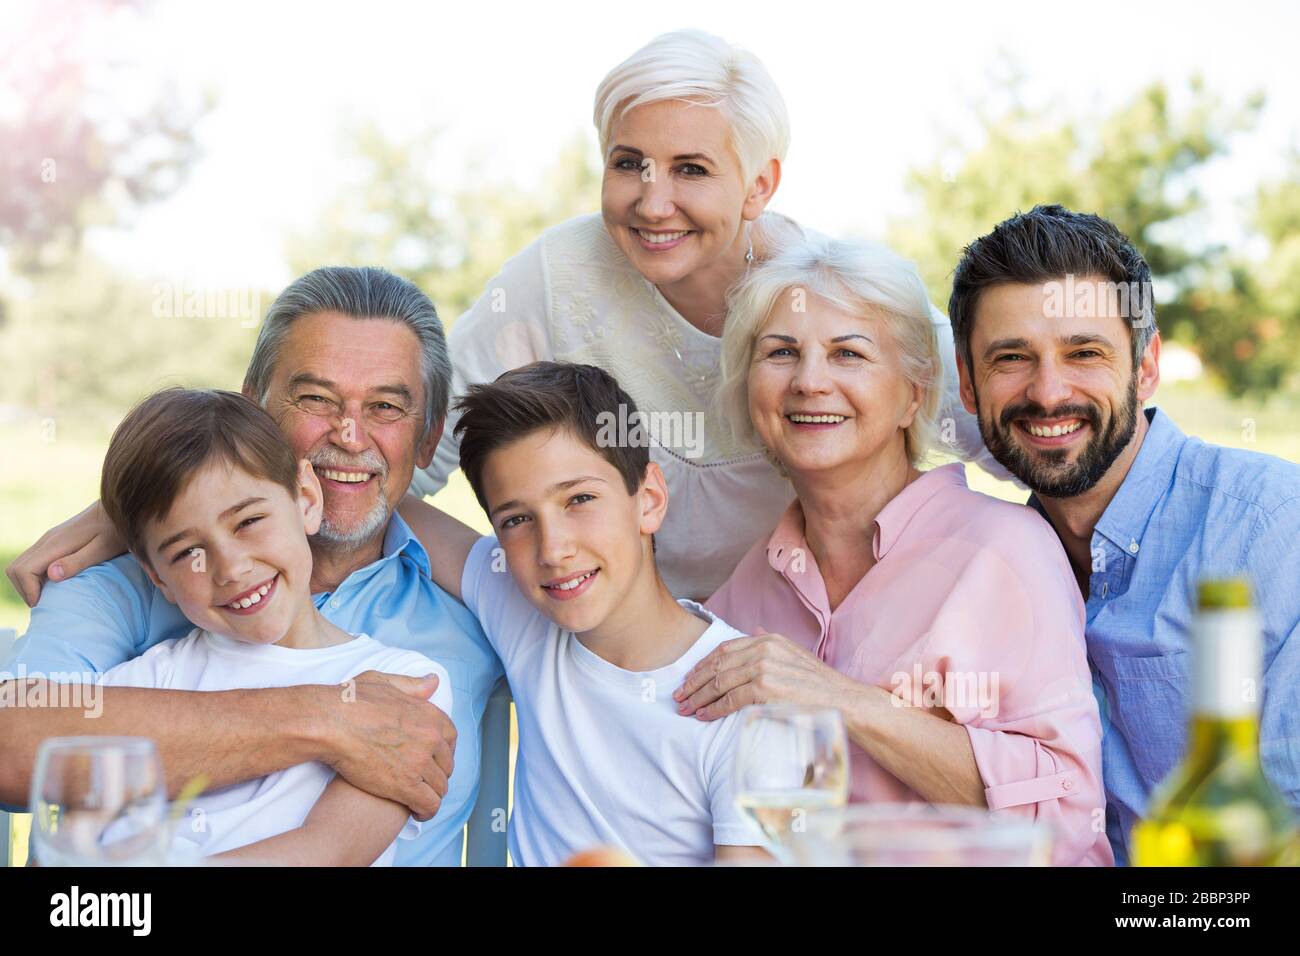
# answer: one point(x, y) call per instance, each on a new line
point(1067, 784)
point(334, 603)
point(1133, 547)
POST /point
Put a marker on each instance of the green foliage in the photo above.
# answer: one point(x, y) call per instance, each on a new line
point(1136, 167)
point(94, 342)
point(80, 341)
point(448, 243)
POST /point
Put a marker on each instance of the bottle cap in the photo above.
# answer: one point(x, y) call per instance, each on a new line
point(1224, 594)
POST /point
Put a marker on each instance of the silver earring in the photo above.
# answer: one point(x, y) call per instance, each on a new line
point(749, 256)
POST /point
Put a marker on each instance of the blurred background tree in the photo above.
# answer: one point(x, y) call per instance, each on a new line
point(449, 243)
point(76, 152)
point(1138, 167)
point(82, 146)
point(1248, 318)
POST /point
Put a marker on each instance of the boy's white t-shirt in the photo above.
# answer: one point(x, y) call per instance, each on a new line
point(243, 813)
point(604, 757)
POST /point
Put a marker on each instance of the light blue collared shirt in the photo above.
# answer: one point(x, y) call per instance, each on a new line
point(112, 613)
point(1186, 511)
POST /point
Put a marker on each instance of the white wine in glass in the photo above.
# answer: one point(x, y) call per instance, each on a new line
point(790, 761)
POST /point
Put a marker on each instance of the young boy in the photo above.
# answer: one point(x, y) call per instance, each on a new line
point(593, 644)
point(213, 505)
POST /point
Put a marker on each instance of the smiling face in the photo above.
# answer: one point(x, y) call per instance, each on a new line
point(349, 396)
point(231, 552)
point(1055, 389)
point(575, 541)
point(673, 196)
point(827, 388)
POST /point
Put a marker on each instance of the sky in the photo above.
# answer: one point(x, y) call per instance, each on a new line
point(871, 89)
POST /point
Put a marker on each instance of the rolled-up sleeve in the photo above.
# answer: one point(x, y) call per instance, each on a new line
point(1016, 622)
point(1046, 768)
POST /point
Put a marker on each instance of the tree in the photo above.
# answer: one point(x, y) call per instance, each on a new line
point(449, 244)
point(1250, 319)
point(1136, 167)
point(73, 154)
point(76, 153)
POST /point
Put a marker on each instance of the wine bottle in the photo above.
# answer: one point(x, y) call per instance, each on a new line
point(1217, 808)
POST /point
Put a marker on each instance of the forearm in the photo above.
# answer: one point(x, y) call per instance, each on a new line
point(931, 755)
point(742, 855)
point(228, 736)
point(301, 846)
point(346, 827)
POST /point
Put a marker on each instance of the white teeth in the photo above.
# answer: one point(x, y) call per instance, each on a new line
point(818, 419)
point(570, 585)
point(254, 598)
point(658, 237)
point(1055, 430)
point(351, 477)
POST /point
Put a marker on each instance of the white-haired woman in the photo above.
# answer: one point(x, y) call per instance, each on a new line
point(692, 133)
point(945, 625)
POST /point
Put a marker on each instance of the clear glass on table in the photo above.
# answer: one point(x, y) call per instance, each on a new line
point(918, 834)
point(99, 801)
point(791, 761)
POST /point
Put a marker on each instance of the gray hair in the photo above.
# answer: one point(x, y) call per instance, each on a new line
point(359, 293)
point(864, 278)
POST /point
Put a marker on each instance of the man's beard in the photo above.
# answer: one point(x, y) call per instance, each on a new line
point(1047, 473)
point(365, 531)
point(372, 524)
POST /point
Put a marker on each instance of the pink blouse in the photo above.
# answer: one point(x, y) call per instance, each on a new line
point(972, 606)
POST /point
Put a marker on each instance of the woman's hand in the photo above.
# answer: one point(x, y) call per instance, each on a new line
point(763, 669)
point(82, 541)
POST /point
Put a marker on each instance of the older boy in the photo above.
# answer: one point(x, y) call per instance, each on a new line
point(592, 642)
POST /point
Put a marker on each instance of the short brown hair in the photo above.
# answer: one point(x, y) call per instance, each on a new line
point(168, 437)
point(1048, 243)
point(550, 395)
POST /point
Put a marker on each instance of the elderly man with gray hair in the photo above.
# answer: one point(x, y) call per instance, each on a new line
point(352, 364)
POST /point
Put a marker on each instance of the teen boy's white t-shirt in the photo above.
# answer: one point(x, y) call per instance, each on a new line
point(604, 757)
point(243, 813)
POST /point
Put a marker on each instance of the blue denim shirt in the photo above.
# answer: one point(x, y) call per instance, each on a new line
point(1186, 511)
point(112, 613)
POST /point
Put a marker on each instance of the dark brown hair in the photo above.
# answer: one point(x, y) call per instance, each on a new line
point(1045, 244)
point(168, 437)
point(548, 395)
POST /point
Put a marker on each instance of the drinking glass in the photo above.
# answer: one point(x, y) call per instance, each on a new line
point(790, 761)
point(99, 801)
point(918, 834)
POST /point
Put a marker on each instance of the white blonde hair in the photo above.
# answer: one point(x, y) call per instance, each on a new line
point(697, 67)
point(858, 277)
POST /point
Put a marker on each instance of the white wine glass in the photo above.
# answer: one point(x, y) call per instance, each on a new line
point(919, 834)
point(99, 801)
point(791, 760)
